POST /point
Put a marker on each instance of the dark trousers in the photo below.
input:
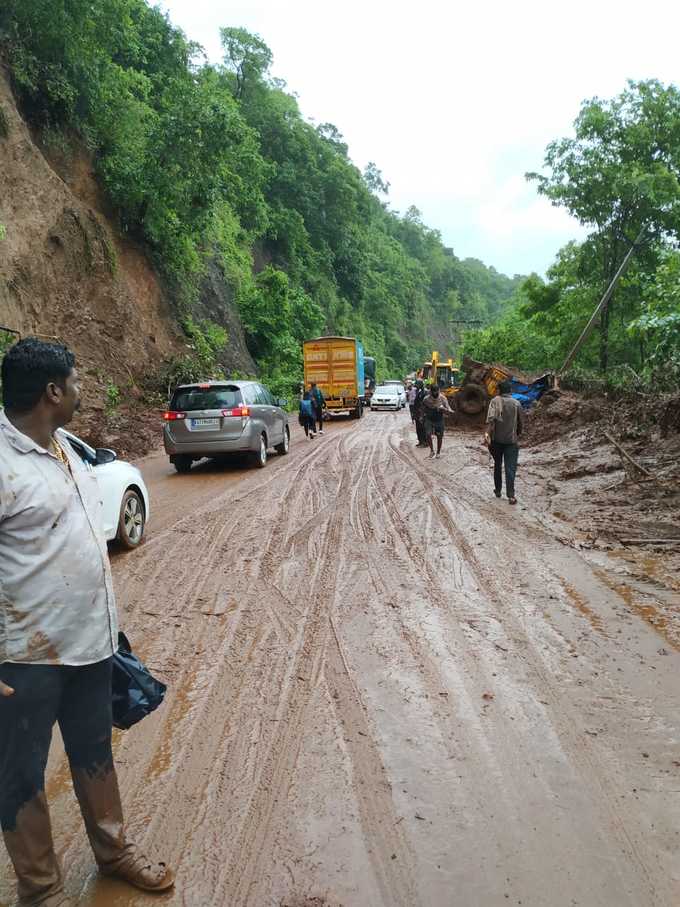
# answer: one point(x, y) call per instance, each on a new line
point(507, 454)
point(420, 431)
point(79, 699)
point(412, 410)
point(309, 425)
point(318, 416)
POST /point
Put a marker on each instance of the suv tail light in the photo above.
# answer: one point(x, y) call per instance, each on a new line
point(241, 411)
point(172, 416)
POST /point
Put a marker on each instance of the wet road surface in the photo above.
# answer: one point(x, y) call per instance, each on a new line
point(388, 689)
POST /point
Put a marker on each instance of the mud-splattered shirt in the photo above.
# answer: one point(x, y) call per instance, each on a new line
point(56, 596)
point(504, 419)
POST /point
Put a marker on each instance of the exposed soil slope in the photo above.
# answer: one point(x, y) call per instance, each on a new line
point(66, 272)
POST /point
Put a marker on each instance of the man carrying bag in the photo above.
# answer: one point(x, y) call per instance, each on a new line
point(58, 631)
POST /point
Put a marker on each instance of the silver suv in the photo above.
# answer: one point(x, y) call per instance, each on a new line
point(214, 418)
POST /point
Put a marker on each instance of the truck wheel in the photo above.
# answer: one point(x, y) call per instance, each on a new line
point(471, 399)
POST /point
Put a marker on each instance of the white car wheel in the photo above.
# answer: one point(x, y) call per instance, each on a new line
point(132, 520)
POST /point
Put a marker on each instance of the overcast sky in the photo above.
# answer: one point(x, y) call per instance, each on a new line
point(455, 101)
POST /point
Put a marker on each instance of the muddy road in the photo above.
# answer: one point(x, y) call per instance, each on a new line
point(389, 689)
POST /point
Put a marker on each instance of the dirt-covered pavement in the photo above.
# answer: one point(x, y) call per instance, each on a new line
point(389, 689)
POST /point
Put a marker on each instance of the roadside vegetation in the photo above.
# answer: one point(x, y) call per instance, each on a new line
point(619, 175)
point(216, 163)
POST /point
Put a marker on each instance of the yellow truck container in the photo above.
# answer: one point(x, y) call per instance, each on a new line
point(336, 364)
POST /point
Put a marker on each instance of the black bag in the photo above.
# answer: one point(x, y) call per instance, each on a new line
point(135, 692)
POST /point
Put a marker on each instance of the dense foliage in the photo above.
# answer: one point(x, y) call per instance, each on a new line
point(620, 175)
point(217, 161)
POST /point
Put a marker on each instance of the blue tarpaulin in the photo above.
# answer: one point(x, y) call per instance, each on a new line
point(528, 394)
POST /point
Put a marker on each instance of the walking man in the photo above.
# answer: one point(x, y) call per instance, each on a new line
point(435, 405)
point(503, 428)
point(58, 631)
point(319, 404)
point(307, 416)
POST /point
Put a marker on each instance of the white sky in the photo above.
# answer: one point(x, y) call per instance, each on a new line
point(455, 102)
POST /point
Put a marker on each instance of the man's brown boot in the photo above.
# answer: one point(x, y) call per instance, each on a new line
point(99, 800)
point(31, 851)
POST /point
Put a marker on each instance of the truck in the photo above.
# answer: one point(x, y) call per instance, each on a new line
point(336, 364)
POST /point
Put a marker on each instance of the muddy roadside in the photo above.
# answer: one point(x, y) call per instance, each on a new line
point(604, 475)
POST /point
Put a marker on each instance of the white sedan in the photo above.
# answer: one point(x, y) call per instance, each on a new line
point(402, 390)
point(386, 396)
point(125, 496)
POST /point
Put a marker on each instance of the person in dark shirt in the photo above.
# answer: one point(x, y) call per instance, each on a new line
point(435, 405)
point(503, 428)
point(307, 417)
point(318, 404)
point(419, 413)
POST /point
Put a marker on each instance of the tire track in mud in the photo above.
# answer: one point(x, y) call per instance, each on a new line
point(186, 634)
point(474, 747)
point(592, 772)
point(228, 650)
point(242, 878)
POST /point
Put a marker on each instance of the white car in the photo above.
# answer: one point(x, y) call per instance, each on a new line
point(125, 496)
point(386, 396)
point(402, 390)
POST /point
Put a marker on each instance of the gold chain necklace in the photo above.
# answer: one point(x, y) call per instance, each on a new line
point(59, 454)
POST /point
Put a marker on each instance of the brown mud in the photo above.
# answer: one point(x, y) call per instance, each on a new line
point(389, 689)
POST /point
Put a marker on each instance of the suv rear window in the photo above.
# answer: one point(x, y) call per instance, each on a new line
point(218, 396)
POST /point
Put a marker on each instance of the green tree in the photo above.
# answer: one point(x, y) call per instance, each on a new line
point(246, 55)
point(619, 174)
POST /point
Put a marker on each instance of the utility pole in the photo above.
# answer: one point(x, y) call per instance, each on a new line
point(588, 329)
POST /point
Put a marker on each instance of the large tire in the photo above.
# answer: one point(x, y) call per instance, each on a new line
point(259, 456)
point(132, 519)
point(472, 399)
point(182, 462)
point(284, 446)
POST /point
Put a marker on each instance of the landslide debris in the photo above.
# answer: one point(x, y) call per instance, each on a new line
point(610, 466)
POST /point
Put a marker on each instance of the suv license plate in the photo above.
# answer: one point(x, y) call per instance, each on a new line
point(205, 423)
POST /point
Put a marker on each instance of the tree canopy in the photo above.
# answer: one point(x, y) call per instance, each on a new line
point(216, 162)
point(619, 174)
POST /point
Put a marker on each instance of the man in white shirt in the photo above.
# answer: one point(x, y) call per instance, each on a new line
point(58, 631)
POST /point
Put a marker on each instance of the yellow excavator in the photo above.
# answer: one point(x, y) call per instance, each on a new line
point(469, 388)
point(441, 371)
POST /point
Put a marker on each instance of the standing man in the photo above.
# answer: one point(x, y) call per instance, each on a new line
point(411, 397)
point(419, 413)
point(435, 405)
point(319, 404)
point(58, 631)
point(503, 428)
